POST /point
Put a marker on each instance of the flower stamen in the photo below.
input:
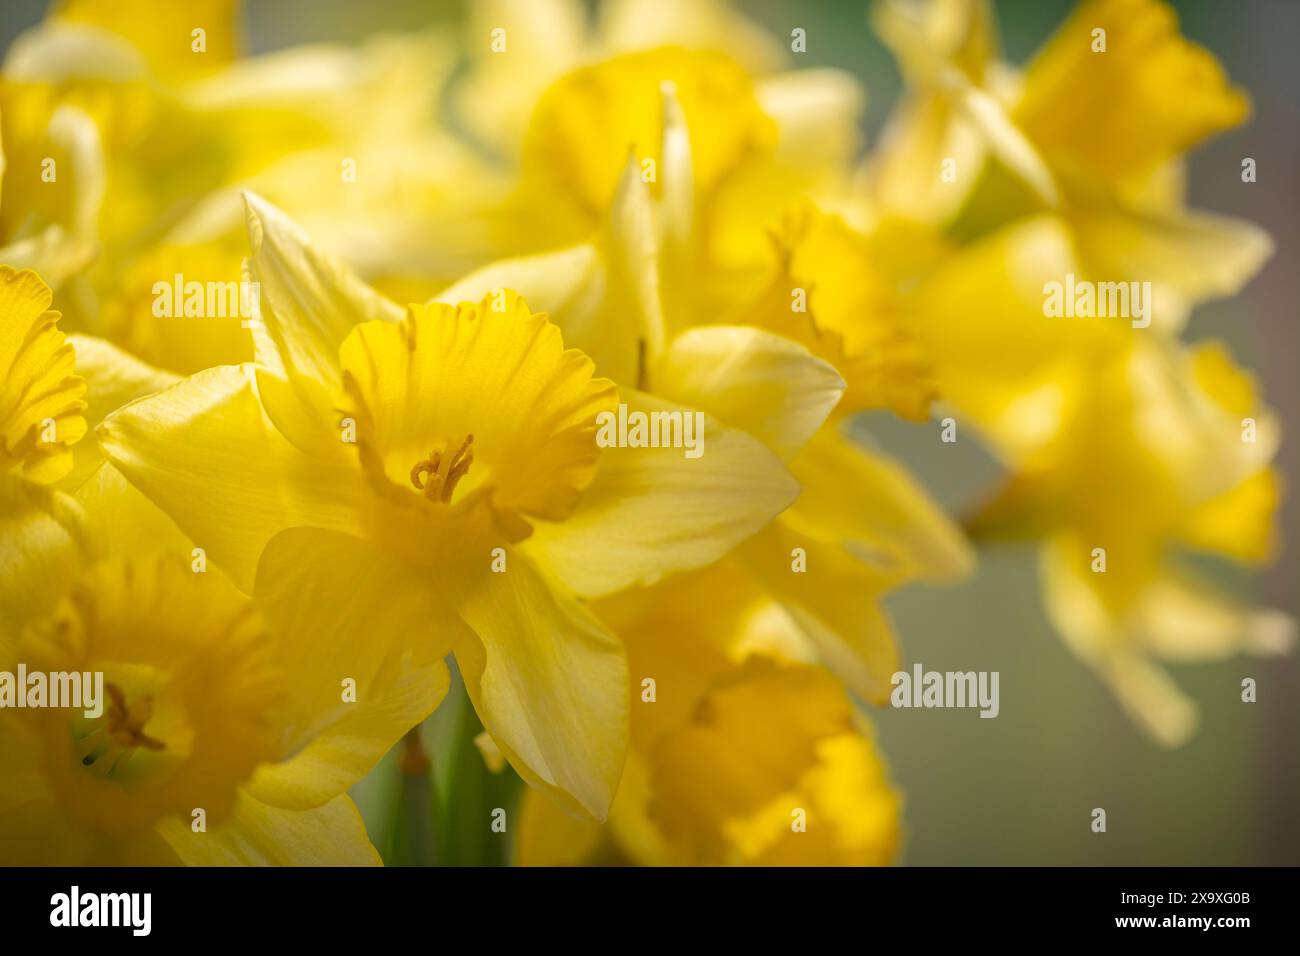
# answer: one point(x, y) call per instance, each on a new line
point(437, 483)
point(123, 727)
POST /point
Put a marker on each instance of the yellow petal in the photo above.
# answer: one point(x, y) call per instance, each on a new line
point(547, 836)
point(146, 313)
point(113, 378)
point(702, 24)
point(831, 293)
point(603, 295)
point(569, 286)
point(42, 540)
point(1189, 257)
point(929, 36)
point(350, 700)
point(1149, 97)
point(261, 835)
point(205, 453)
point(57, 225)
point(584, 125)
point(996, 356)
point(1004, 138)
point(41, 398)
point(121, 520)
point(683, 651)
point(866, 502)
point(928, 127)
point(753, 380)
point(650, 511)
point(836, 602)
point(1184, 618)
point(922, 132)
point(548, 681)
point(164, 32)
point(1240, 523)
point(542, 40)
point(309, 303)
point(1146, 692)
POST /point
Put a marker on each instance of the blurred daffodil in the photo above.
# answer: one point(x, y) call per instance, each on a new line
point(1093, 130)
point(1164, 454)
point(129, 135)
point(794, 777)
point(201, 753)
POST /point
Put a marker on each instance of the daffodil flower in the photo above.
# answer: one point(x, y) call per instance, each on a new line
point(432, 479)
point(1165, 454)
point(794, 775)
point(140, 127)
point(1094, 130)
point(748, 143)
point(202, 752)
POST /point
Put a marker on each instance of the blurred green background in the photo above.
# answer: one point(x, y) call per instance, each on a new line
point(1020, 789)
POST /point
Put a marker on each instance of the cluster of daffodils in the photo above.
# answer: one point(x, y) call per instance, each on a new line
point(519, 365)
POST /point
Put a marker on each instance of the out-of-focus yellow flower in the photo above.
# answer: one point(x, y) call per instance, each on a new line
point(1164, 452)
point(1094, 135)
point(832, 290)
point(518, 49)
point(42, 397)
point(154, 131)
point(1076, 171)
point(180, 42)
point(431, 466)
point(201, 755)
point(793, 774)
point(745, 139)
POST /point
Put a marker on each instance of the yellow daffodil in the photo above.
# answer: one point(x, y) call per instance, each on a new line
point(746, 138)
point(1166, 452)
point(439, 469)
point(199, 753)
point(516, 50)
point(1093, 131)
point(794, 777)
point(1093, 192)
point(153, 121)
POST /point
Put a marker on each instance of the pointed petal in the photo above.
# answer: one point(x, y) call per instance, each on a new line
point(42, 542)
point(205, 453)
point(345, 616)
point(262, 835)
point(836, 602)
point(651, 511)
point(310, 301)
point(866, 502)
point(754, 380)
point(549, 683)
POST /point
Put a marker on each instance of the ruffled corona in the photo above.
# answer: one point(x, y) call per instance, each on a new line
point(476, 403)
point(189, 689)
point(42, 397)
